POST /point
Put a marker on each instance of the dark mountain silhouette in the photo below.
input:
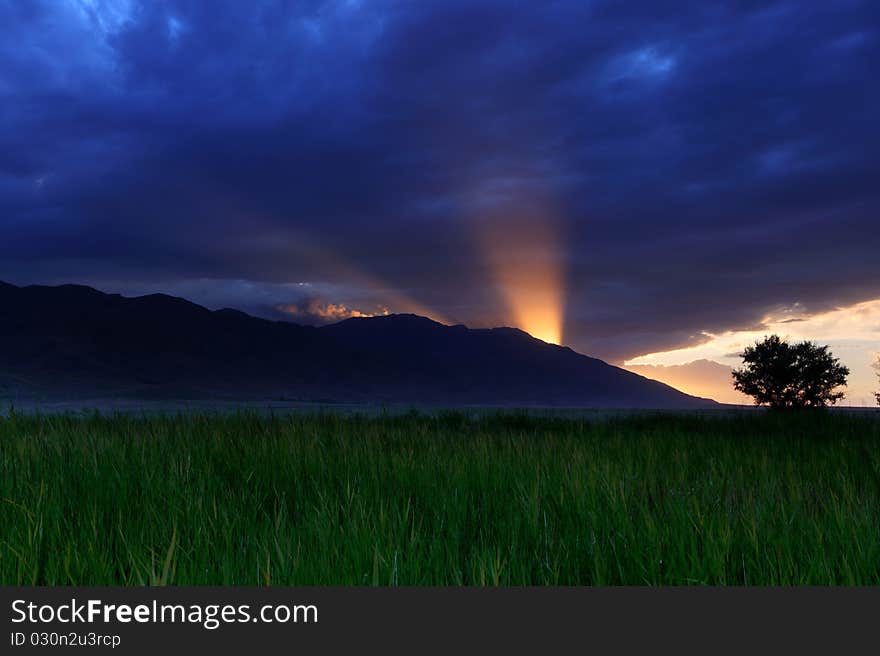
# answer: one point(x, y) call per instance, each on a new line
point(74, 341)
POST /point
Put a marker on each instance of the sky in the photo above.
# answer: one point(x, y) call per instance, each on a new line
point(654, 183)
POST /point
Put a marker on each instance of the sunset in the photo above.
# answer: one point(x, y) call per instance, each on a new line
point(567, 298)
point(620, 198)
point(853, 332)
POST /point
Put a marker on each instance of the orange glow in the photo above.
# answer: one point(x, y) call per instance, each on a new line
point(524, 256)
point(301, 245)
point(534, 297)
point(852, 332)
point(395, 300)
point(316, 307)
point(705, 378)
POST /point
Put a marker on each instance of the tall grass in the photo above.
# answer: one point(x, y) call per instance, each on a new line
point(419, 500)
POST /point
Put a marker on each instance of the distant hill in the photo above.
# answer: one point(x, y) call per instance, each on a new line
point(72, 341)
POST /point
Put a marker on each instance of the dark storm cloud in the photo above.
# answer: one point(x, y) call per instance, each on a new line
point(706, 162)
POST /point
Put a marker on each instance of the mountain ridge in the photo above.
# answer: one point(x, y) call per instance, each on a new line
point(73, 340)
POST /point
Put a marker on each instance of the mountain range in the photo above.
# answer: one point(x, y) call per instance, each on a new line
point(72, 341)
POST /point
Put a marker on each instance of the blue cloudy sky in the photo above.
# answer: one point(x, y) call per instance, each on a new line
point(637, 178)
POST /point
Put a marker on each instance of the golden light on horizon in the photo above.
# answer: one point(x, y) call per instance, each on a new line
point(852, 332)
point(525, 260)
point(393, 299)
point(307, 247)
point(533, 294)
point(545, 323)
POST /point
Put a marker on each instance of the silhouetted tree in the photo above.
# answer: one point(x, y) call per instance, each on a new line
point(784, 375)
point(877, 395)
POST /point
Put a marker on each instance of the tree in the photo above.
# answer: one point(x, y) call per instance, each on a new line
point(784, 375)
point(877, 395)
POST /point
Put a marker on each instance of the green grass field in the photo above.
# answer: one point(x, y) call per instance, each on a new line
point(508, 499)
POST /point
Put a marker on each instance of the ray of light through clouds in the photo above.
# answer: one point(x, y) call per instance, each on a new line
point(852, 332)
point(521, 241)
point(526, 264)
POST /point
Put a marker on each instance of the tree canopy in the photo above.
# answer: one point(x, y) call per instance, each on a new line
point(877, 395)
point(783, 375)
